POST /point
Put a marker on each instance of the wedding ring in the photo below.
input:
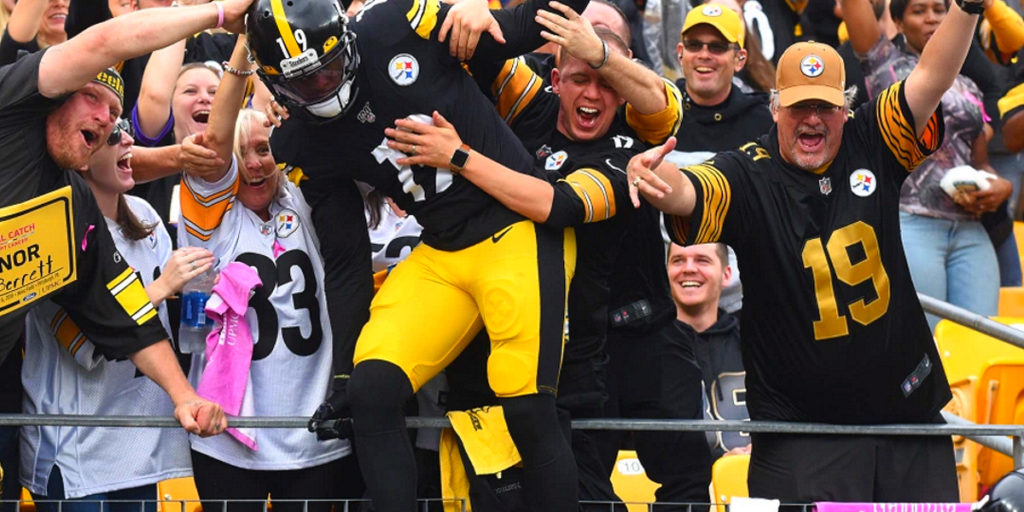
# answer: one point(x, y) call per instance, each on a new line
point(636, 181)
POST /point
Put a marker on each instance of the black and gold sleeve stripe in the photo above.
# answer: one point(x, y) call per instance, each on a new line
point(897, 128)
point(514, 88)
point(656, 128)
point(595, 191)
point(422, 16)
point(715, 195)
point(67, 332)
point(131, 295)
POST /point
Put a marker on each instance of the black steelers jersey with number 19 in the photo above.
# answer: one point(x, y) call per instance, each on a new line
point(404, 70)
point(832, 327)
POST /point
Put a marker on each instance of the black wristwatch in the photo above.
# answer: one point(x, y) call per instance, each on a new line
point(459, 157)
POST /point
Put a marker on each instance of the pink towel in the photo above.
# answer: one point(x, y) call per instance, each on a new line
point(229, 346)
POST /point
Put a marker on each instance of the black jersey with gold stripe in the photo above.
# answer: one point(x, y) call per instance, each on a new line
point(832, 327)
point(590, 185)
point(404, 70)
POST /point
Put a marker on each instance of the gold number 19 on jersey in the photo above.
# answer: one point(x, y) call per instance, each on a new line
point(831, 324)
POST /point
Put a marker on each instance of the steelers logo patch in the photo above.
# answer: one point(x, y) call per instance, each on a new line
point(555, 161)
point(812, 66)
point(711, 10)
point(287, 222)
point(863, 182)
point(404, 69)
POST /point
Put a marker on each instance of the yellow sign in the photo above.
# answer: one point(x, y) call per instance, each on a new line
point(37, 249)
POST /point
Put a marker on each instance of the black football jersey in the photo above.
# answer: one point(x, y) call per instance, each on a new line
point(404, 70)
point(832, 327)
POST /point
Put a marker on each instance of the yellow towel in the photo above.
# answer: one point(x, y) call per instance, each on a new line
point(454, 481)
point(485, 436)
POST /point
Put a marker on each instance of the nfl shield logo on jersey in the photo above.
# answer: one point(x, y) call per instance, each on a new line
point(863, 183)
point(544, 151)
point(287, 223)
point(366, 115)
point(555, 161)
point(404, 69)
point(825, 185)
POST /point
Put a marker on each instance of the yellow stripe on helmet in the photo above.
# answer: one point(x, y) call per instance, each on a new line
point(284, 28)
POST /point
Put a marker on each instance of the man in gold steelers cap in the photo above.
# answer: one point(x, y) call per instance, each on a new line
point(832, 328)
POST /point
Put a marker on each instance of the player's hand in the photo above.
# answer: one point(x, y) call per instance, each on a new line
point(467, 20)
point(431, 146)
point(234, 15)
point(333, 419)
point(198, 160)
point(200, 416)
point(641, 175)
point(276, 113)
point(988, 200)
point(572, 32)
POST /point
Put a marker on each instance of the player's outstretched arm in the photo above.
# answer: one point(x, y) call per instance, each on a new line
point(940, 62)
point(434, 146)
point(660, 182)
point(68, 66)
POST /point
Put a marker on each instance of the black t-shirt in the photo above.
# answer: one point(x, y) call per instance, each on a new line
point(10, 49)
point(107, 292)
point(740, 119)
point(832, 327)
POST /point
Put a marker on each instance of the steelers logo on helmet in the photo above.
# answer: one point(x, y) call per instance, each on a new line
point(812, 66)
point(305, 53)
point(404, 69)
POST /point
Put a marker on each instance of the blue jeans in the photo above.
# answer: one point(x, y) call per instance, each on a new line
point(143, 498)
point(953, 261)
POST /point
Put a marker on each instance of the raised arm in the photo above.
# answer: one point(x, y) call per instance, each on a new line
point(220, 131)
point(861, 24)
point(25, 18)
point(157, 89)
point(70, 65)
point(639, 86)
point(940, 63)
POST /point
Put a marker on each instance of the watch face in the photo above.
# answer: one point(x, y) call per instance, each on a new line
point(459, 158)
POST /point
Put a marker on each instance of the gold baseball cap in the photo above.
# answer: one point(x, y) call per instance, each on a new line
point(724, 19)
point(810, 71)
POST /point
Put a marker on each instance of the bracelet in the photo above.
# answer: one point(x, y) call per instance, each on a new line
point(971, 7)
point(235, 71)
point(220, 14)
point(604, 46)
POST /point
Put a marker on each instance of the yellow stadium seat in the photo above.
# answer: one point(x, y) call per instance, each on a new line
point(631, 483)
point(173, 492)
point(729, 479)
point(1000, 400)
point(1011, 300)
point(27, 505)
point(966, 352)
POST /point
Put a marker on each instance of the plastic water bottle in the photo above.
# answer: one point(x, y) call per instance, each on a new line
point(194, 323)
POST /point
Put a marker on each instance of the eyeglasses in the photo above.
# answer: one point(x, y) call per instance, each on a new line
point(715, 47)
point(821, 109)
point(121, 125)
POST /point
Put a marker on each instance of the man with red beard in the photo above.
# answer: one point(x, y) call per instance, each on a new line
point(57, 107)
point(832, 329)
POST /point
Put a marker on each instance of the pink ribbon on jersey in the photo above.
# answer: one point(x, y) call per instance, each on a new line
point(278, 248)
point(85, 237)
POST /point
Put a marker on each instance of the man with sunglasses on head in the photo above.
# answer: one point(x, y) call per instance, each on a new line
point(832, 328)
point(719, 116)
point(57, 107)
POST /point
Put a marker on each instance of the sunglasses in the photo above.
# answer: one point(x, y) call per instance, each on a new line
point(821, 109)
point(122, 125)
point(715, 47)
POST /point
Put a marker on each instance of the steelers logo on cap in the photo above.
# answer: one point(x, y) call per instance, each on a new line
point(711, 10)
point(812, 66)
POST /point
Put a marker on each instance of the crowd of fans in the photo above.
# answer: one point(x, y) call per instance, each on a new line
point(411, 211)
